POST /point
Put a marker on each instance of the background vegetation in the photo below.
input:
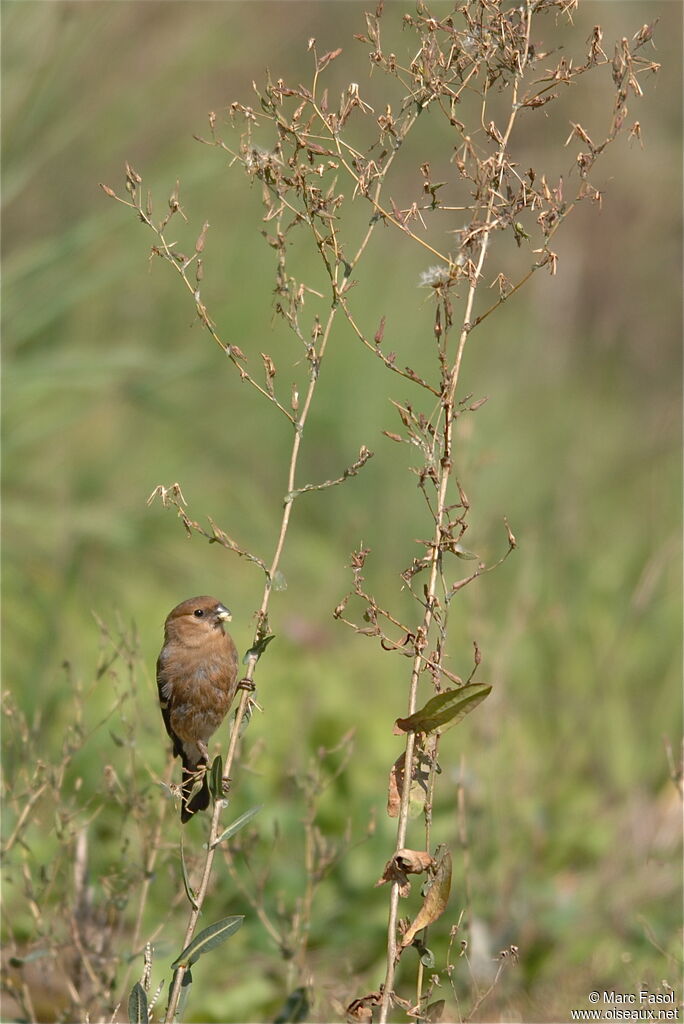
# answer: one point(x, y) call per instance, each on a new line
point(110, 388)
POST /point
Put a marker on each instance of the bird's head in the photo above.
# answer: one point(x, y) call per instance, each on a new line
point(196, 619)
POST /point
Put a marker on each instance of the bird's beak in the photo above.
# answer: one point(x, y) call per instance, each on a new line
point(223, 613)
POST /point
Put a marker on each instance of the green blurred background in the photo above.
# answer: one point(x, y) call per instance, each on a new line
point(111, 387)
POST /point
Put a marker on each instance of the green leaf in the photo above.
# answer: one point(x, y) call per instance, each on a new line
point(295, 1009)
point(462, 552)
point(279, 581)
point(216, 778)
point(246, 718)
point(186, 982)
point(208, 939)
point(434, 1011)
point(183, 997)
point(427, 957)
point(137, 1005)
point(259, 648)
point(189, 891)
point(237, 825)
point(445, 710)
point(37, 954)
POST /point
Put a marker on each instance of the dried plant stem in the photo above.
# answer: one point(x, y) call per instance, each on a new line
point(152, 854)
point(298, 419)
point(181, 266)
point(215, 827)
point(256, 904)
point(441, 517)
point(465, 848)
point(23, 817)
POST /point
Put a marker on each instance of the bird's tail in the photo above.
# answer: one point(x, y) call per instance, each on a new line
point(199, 801)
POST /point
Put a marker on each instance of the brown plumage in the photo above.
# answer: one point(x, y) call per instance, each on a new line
point(197, 677)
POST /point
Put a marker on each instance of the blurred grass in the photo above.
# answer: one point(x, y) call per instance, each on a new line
point(110, 389)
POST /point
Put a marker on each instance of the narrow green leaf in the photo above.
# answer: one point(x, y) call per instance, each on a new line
point(208, 939)
point(37, 954)
point(137, 1005)
point(445, 710)
point(216, 778)
point(295, 1009)
point(259, 648)
point(246, 718)
point(237, 825)
point(189, 892)
point(462, 552)
point(183, 997)
point(186, 982)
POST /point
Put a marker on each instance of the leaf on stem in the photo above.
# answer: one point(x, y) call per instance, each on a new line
point(444, 710)
point(433, 1012)
point(37, 954)
point(396, 779)
point(419, 777)
point(404, 863)
point(216, 778)
point(279, 581)
point(186, 982)
point(208, 939)
point(436, 899)
point(427, 957)
point(137, 1005)
point(237, 825)
point(258, 649)
point(360, 1010)
point(295, 1009)
point(462, 552)
point(189, 891)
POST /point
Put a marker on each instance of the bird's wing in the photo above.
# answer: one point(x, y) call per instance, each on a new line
point(165, 705)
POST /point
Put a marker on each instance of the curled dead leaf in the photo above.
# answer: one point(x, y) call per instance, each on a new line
point(396, 783)
point(393, 873)
point(404, 863)
point(360, 1010)
point(419, 777)
point(414, 862)
point(436, 898)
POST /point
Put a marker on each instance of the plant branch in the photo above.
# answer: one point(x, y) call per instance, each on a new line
point(445, 471)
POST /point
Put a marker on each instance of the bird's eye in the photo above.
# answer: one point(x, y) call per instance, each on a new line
point(198, 613)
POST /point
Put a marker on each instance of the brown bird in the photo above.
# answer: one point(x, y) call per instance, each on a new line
point(197, 677)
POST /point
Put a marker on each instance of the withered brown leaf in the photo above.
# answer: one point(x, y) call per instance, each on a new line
point(404, 863)
point(436, 899)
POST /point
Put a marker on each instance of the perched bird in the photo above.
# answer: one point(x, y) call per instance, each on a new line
point(197, 677)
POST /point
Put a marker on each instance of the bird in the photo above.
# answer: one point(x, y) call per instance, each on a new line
point(197, 679)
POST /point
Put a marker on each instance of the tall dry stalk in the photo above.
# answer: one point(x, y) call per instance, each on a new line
point(487, 65)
